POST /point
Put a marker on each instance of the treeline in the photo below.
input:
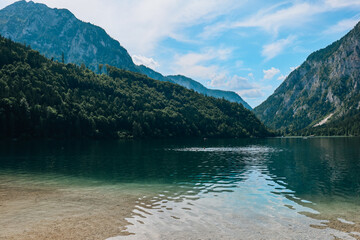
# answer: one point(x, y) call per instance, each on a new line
point(345, 126)
point(45, 98)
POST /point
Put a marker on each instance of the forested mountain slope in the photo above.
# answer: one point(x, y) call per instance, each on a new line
point(44, 98)
point(58, 34)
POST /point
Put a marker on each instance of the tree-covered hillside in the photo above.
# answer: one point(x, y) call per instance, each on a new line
point(348, 125)
point(58, 34)
point(44, 98)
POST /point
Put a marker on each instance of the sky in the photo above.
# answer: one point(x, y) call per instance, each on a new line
point(246, 46)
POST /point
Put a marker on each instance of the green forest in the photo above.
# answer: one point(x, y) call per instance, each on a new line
point(48, 99)
point(345, 126)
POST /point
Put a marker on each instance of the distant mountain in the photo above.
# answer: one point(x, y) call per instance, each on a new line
point(324, 89)
point(58, 34)
point(194, 85)
point(43, 98)
point(153, 74)
point(198, 87)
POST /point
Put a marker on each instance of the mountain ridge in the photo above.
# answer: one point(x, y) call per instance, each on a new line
point(55, 31)
point(198, 87)
point(326, 84)
point(79, 42)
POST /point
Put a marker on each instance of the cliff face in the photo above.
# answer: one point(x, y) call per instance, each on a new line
point(57, 31)
point(325, 87)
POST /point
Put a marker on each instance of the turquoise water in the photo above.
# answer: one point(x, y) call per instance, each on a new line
point(283, 188)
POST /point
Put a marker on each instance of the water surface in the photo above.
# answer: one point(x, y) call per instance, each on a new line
point(283, 188)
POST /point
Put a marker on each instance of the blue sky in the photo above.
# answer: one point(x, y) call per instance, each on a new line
point(244, 46)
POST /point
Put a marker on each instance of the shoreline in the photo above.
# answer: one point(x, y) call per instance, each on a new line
point(43, 212)
point(318, 137)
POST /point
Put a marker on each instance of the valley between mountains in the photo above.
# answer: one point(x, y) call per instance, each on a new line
point(320, 97)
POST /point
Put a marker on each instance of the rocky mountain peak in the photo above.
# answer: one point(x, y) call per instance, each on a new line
point(55, 31)
point(326, 84)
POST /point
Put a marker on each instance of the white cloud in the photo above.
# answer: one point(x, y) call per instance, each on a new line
point(255, 94)
point(234, 83)
point(215, 29)
point(4, 3)
point(250, 93)
point(271, 73)
point(273, 49)
point(293, 68)
point(140, 25)
point(282, 77)
point(245, 87)
point(342, 3)
point(342, 26)
point(272, 21)
point(148, 62)
point(199, 66)
point(285, 15)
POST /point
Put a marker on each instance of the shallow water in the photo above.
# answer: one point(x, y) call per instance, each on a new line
point(284, 188)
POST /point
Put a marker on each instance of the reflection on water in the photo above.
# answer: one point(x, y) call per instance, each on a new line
point(215, 189)
point(325, 172)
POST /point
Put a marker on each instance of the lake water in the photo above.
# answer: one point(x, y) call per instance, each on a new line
point(281, 188)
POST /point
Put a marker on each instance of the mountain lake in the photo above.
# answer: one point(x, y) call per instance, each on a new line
point(276, 188)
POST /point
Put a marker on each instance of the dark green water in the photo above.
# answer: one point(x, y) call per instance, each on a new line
point(288, 188)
